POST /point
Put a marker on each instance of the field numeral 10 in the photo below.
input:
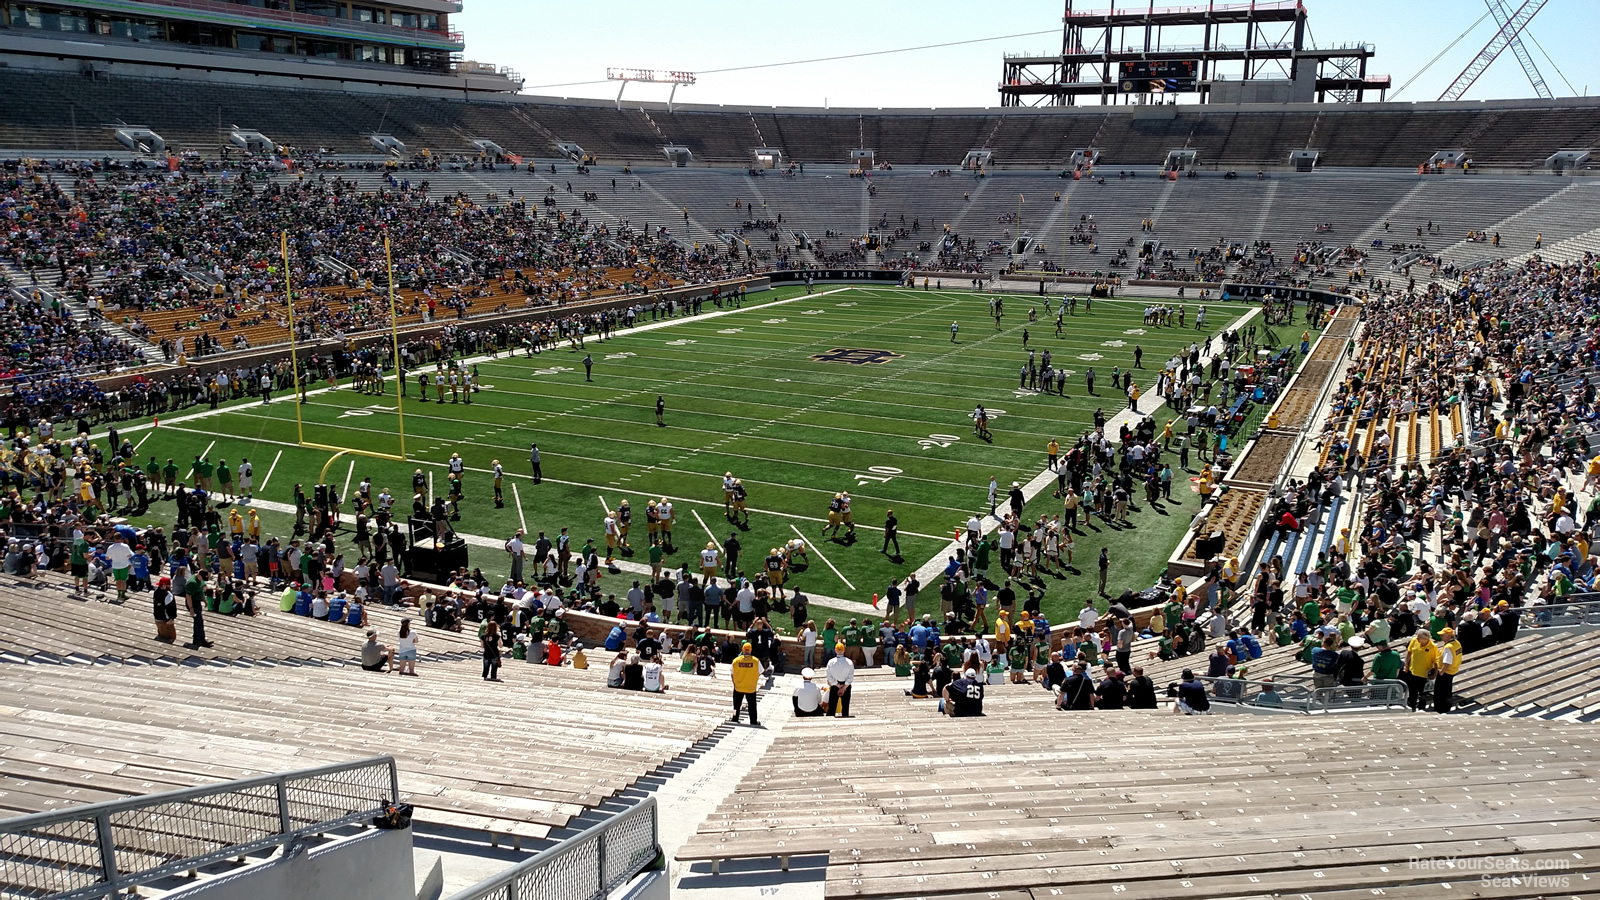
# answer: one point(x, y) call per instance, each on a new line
point(879, 474)
point(938, 440)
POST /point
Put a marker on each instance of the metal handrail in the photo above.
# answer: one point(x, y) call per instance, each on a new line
point(1575, 609)
point(108, 849)
point(1372, 695)
point(1295, 694)
point(588, 865)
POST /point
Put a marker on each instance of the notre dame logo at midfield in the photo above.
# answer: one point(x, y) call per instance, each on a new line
point(857, 357)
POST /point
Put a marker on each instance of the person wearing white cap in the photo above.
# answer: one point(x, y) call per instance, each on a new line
point(963, 697)
point(807, 698)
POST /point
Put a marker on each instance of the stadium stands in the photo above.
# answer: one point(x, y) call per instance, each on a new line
point(61, 111)
point(279, 692)
point(907, 803)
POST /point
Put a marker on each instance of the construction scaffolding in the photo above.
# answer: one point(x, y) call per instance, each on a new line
point(1237, 53)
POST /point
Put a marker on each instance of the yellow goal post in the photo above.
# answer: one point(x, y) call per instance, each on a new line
point(294, 362)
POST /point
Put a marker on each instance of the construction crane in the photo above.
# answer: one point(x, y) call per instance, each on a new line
point(1509, 29)
point(1501, 16)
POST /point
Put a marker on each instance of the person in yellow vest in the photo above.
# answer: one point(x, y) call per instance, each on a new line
point(1592, 476)
point(1166, 436)
point(1449, 665)
point(1002, 632)
point(1422, 663)
point(746, 678)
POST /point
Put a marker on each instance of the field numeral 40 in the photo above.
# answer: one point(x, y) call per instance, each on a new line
point(938, 440)
point(879, 474)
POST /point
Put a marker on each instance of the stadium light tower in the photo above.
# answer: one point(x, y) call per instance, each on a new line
point(1509, 30)
point(653, 76)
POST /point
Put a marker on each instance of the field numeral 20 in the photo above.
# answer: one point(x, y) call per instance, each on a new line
point(879, 474)
point(938, 440)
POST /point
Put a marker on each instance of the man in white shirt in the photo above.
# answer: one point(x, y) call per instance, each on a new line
point(120, 555)
point(1008, 543)
point(807, 698)
point(516, 550)
point(1087, 617)
point(841, 674)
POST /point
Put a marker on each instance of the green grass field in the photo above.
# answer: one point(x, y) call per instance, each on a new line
point(744, 394)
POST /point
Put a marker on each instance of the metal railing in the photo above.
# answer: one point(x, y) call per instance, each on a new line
point(1297, 694)
point(1576, 609)
point(586, 866)
point(107, 849)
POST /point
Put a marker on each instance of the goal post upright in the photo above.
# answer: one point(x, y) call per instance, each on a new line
point(294, 362)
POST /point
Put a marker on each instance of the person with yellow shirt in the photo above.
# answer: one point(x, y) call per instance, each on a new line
point(1422, 663)
point(1053, 449)
point(1002, 632)
point(746, 678)
point(1592, 475)
point(1449, 665)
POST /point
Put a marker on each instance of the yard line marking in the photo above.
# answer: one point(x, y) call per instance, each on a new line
point(521, 517)
point(270, 470)
point(208, 450)
point(603, 503)
point(815, 549)
point(704, 525)
point(141, 442)
point(347, 475)
point(430, 489)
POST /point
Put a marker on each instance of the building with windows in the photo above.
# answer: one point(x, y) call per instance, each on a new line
point(409, 43)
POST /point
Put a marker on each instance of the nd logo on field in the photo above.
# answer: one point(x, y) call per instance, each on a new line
point(857, 356)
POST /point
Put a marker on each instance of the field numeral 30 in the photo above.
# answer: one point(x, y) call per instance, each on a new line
point(938, 440)
point(879, 474)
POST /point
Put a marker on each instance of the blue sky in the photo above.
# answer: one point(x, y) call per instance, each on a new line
point(555, 43)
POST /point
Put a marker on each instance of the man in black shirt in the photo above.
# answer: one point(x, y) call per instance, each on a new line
point(1056, 673)
point(1141, 690)
point(891, 533)
point(648, 646)
point(166, 611)
point(1472, 632)
point(1112, 691)
point(1077, 692)
point(1352, 671)
point(730, 556)
point(963, 697)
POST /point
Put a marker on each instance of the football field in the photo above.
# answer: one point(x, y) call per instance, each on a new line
point(856, 389)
